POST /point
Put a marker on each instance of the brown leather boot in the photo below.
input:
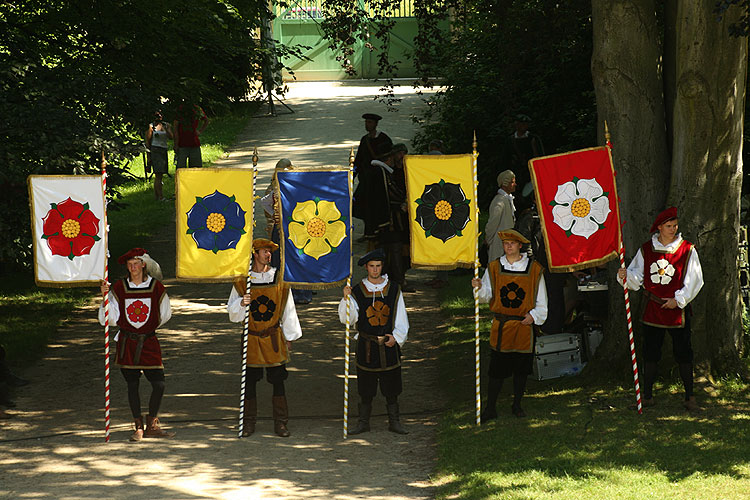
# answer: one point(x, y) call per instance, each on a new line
point(280, 416)
point(153, 430)
point(138, 434)
point(248, 421)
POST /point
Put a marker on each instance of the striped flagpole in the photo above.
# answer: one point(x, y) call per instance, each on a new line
point(243, 379)
point(478, 387)
point(106, 307)
point(631, 338)
point(348, 283)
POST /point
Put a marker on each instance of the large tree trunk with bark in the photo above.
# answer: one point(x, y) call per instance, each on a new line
point(676, 118)
point(626, 69)
point(708, 116)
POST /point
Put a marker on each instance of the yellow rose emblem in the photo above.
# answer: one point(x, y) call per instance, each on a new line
point(316, 228)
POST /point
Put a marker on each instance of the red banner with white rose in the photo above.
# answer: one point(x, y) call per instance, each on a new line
point(576, 198)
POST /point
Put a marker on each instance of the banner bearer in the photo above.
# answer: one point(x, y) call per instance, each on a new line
point(377, 308)
point(514, 287)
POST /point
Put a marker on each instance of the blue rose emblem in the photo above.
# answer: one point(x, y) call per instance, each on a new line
point(216, 222)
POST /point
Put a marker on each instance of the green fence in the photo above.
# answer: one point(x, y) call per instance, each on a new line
point(299, 24)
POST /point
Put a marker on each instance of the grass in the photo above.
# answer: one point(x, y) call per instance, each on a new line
point(29, 316)
point(580, 439)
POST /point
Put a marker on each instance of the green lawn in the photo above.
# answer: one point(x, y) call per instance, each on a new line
point(29, 315)
point(580, 439)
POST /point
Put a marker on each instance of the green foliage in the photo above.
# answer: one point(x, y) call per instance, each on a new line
point(581, 439)
point(78, 79)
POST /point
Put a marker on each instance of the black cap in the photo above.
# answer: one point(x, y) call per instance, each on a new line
point(377, 254)
point(523, 118)
point(372, 116)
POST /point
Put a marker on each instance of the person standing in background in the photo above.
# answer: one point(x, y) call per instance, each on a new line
point(188, 125)
point(157, 135)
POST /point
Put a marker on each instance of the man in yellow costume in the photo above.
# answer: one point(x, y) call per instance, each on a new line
point(272, 326)
point(514, 287)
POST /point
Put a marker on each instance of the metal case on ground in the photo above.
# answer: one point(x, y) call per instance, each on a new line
point(557, 356)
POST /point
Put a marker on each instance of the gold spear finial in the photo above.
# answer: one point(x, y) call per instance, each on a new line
point(255, 156)
point(474, 142)
point(606, 132)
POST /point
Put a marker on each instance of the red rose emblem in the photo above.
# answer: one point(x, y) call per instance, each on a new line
point(137, 312)
point(70, 229)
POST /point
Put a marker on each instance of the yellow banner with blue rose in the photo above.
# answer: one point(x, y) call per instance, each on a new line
point(214, 212)
point(315, 214)
point(442, 210)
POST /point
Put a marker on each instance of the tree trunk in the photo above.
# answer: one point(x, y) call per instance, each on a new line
point(626, 70)
point(706, 175)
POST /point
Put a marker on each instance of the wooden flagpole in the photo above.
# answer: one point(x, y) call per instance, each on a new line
point(106, 305)
point(243, 380)
point(478, 388)
point(348, 283)
point(627, 303)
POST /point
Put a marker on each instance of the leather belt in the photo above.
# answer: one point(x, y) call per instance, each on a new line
point(380, 341)
point(140, 338)
point(652, 296)
point(268, 332)
point(504, 318)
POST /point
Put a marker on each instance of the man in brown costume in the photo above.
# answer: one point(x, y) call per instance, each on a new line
point(273, 325)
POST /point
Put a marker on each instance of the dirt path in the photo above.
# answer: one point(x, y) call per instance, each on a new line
point(54, 446)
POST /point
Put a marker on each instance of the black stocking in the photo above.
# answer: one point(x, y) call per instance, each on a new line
point(157, 392)
point(519, 386)
point(278, 389)
point(686, 374)
point(493, 392)
point(649, 377)
point(134, 398)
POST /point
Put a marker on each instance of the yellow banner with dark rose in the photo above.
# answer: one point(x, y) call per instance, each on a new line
point(214, 223)
point(442, 210)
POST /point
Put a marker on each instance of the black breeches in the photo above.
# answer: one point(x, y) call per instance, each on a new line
point(156, 378)
point(275, 375)
point(389, 382)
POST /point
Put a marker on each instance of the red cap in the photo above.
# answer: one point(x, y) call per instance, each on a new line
point(133, 252)
point(667, 215)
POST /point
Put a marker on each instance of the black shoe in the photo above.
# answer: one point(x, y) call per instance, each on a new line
point(394, 419)
point(488, 415)
point(363, 423)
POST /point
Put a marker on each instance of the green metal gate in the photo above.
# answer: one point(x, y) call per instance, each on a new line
point(300, 24)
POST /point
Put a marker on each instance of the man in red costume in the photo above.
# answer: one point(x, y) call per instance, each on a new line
point(139, 304)
point(668, 269)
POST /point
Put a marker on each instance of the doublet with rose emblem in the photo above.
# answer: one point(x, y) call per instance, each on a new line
point(137, 345)
point(664, 274)
point(376, 314)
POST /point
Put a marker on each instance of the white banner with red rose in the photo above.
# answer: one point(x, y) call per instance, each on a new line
point(67, 213)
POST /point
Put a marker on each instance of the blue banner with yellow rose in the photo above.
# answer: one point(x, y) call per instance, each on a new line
point(314, 207)
point(214, 210)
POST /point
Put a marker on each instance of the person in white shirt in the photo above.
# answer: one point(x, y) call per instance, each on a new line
point(139, 304)
point(272, 327)
point(514, 287)
point(502, 214)
point(674, 279)
point(376, 307)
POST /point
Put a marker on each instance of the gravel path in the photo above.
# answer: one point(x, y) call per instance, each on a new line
point(54, 447)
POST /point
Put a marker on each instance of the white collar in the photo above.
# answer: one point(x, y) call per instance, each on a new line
point(378, 163)
point(271, 272)
point(502, 191)
point(375, 287)
point(524, 136)
point(671, 247)
point(143, 284)
point(518, 265)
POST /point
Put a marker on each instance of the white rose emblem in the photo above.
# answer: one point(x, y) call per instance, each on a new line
point(580, 207)
point(661, 272)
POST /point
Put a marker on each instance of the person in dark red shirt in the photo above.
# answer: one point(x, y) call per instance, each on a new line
point(189, 123)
